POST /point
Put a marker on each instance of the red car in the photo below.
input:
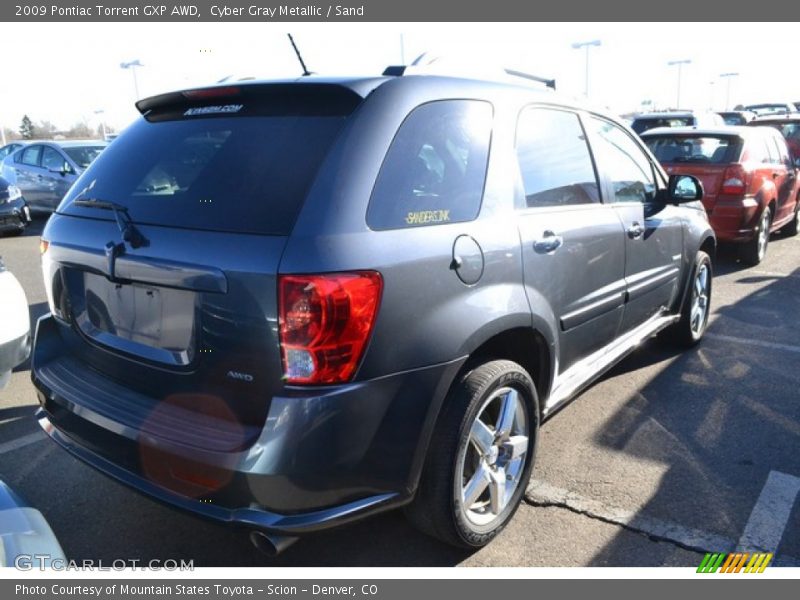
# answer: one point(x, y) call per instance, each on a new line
point(749, 177)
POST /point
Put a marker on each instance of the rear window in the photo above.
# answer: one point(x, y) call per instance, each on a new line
point(435, 168)
point(733, 119)
point(695, 149)
point(642, 125)
point(244, 174)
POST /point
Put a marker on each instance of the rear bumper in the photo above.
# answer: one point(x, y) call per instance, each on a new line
point(325, 456)
point(735, 220)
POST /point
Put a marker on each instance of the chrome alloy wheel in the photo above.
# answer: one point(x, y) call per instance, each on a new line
point(491, 463)
point(763, 234)
point(699, 313)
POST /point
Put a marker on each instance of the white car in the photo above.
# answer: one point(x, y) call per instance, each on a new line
point(15, 326)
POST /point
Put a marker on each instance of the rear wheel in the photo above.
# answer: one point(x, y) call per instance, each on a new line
point(480, 457)
point(756, 249)
point(696, 308)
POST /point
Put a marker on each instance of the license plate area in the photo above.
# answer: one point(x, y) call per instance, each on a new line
point(156, 323)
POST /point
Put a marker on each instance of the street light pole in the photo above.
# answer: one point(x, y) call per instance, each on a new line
point(100, 111)
point(586, 46)
point(728, 77)
point(132, 66)
point(680, 64)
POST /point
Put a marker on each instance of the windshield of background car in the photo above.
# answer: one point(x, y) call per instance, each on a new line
point(240, 174)
point(706, 149)
point(642, 125)
point(83, 155)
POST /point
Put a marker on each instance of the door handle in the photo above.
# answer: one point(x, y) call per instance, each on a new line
point(635, 231)
point(550, 242)
point(776, 175)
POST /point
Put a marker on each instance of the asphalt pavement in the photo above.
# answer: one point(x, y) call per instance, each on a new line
point(668, 456)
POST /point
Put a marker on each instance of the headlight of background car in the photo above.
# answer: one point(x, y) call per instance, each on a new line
point(14, 193)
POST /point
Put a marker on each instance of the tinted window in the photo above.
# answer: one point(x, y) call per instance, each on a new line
point(242, 174)
point(624, 162)
point(51, 159)
point(435, 168)
point(554, 159)
point(30, 156)
point(83, 155)
point(642, 125)
point(694, 149)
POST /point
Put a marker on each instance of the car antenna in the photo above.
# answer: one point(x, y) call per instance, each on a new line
point(306, 72)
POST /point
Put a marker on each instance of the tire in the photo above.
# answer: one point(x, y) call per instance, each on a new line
point(455, 463)
point(791, 229)
point(689, 330)
point(755, 250)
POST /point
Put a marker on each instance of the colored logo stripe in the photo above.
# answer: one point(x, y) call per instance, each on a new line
point(734, 562)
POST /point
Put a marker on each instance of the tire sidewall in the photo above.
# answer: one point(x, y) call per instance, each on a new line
point(701, 259)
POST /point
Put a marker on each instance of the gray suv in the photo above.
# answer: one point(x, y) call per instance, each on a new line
point(290, 305)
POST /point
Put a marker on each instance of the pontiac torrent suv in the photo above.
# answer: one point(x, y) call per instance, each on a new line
point(289, 305)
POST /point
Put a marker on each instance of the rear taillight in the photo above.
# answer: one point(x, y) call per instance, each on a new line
point(735, 180)
point(325, 324)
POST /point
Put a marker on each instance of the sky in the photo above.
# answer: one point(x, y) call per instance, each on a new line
point(65, 72)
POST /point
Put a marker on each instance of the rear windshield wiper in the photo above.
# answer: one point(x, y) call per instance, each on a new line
point(129, 231)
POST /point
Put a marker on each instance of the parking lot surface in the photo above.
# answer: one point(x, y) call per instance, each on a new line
point(666, 457)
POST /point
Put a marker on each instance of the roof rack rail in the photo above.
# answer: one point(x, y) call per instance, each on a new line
point(425, 65)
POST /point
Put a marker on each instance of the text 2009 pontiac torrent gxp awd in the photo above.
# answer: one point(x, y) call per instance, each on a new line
point(289, 305)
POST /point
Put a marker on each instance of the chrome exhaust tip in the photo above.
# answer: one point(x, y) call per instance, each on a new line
point(271, 545)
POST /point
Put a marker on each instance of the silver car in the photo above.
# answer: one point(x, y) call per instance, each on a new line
point(44, 171)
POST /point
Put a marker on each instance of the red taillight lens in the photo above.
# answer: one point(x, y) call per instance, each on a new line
point(735, 180)
point(325, 323)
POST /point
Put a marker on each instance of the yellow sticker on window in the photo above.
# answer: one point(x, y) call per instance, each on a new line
point(421, 217)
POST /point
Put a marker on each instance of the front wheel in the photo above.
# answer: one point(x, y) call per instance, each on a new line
point(480, 457)
point(696, 307)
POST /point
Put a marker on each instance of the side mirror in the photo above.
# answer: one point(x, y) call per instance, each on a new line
point(684, 188)
point(64, 170)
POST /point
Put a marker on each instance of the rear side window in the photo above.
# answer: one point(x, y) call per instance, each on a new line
point(247, 174)
point(435, 169)
point(757, 150)
point(554, 159)
point(700, 149)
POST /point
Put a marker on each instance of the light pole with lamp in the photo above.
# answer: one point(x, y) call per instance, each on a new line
point(132, 66)
point(586, 45)
point(679, 64)
point(100, 111)
point(728, 77)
